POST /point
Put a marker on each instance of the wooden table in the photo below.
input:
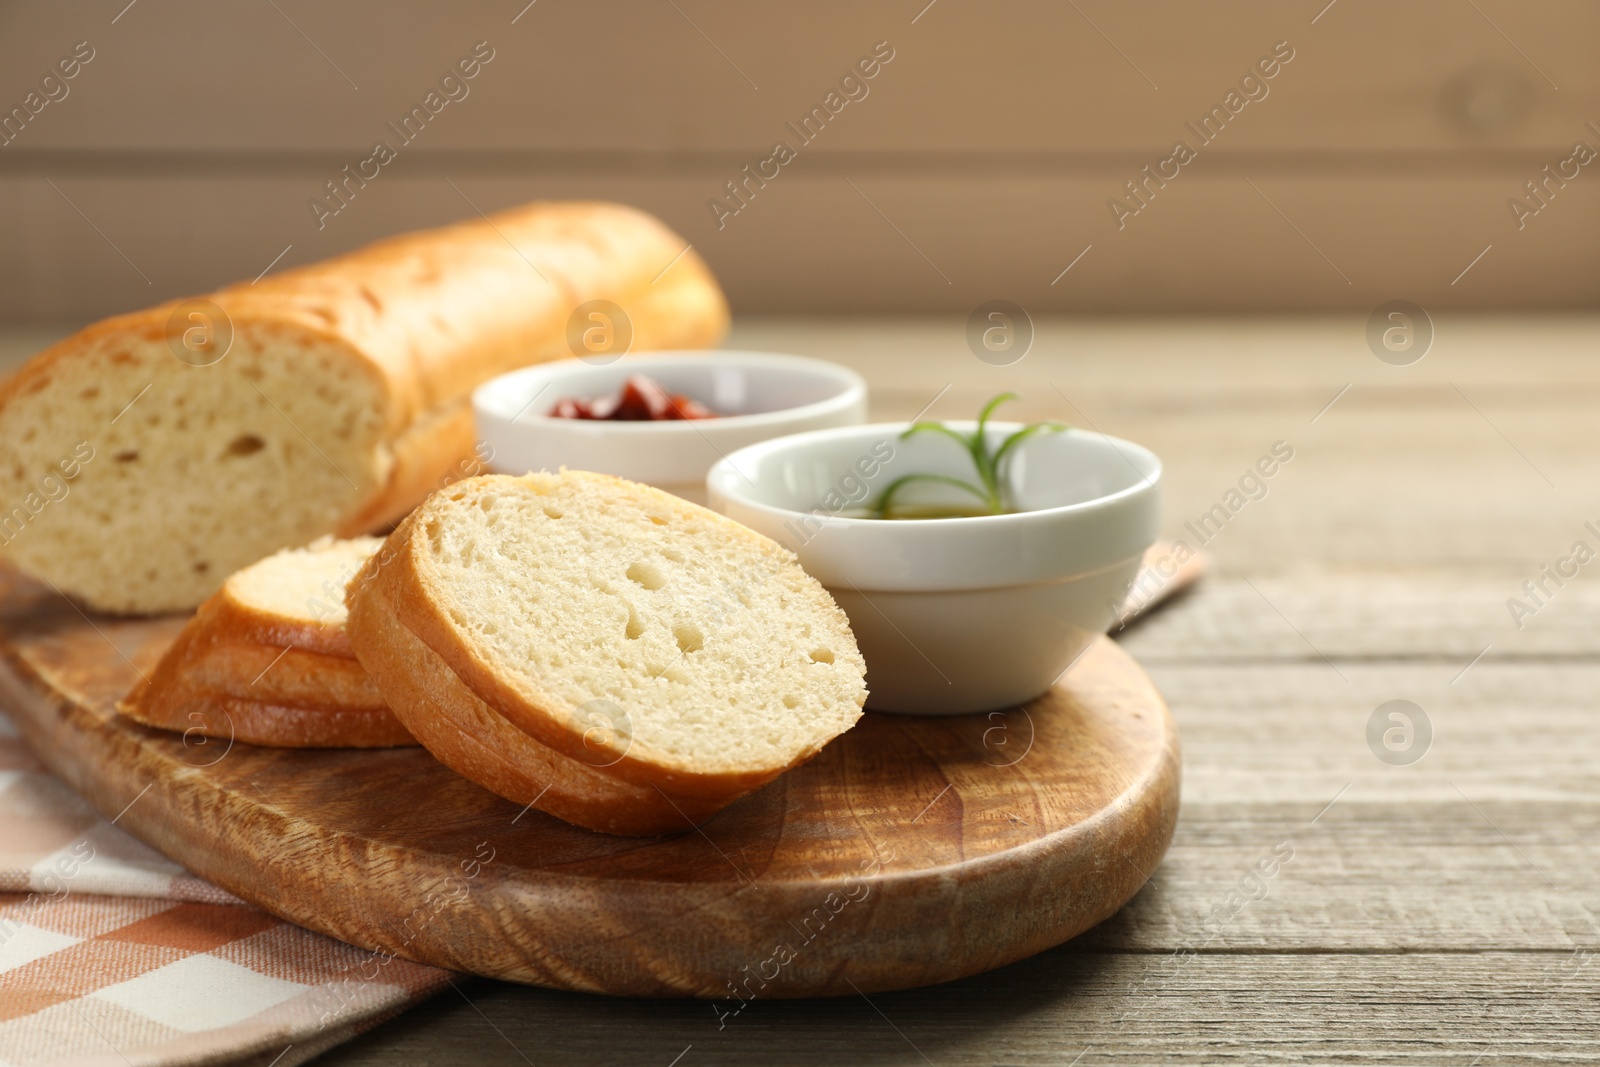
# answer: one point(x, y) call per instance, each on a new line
point(1441, 912)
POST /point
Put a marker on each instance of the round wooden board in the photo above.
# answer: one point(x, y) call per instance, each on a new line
point(911, 851)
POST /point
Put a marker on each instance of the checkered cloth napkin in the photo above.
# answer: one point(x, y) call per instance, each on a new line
point(113, 956)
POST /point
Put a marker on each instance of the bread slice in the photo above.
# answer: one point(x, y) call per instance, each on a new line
point(266, 660)
point(602, 650)
point(139, 467)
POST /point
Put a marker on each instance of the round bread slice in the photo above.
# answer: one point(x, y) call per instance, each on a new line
point(266, 660)
point(603, 650)
point(295, 599)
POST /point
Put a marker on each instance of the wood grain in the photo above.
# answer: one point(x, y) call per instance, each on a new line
point(1024, 76)
point(1448, 1009)
point(993, 142)
point(913, 850)
point(1400, 477)
point(1212, 245)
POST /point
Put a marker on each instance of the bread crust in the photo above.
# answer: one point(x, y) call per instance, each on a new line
point(434, 450)
point(239, 673)
point(426, 317)
point(437, 312)
point(471, 736)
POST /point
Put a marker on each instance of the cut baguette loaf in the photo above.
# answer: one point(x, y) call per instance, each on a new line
point(602, 650)
point(137, 480)
point(266, 660)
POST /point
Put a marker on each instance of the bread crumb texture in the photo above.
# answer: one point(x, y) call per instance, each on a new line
point(304, 585)
point(702, 645)
point(196, 471)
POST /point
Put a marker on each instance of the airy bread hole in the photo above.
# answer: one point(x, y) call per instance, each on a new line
point(635, 628)
point(789, 701)
point(822, 655)
point(658, 520)
point(552, 512)
point(245, 445)
point(646, 575)
point(689, 637)
point(127, 455)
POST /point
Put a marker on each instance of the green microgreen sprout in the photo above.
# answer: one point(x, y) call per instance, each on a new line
point(990, 489)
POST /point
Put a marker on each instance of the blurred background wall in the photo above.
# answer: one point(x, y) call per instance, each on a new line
point(981, 160)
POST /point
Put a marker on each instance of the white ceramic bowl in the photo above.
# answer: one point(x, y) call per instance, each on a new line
point(958, 614)
point(769, 395)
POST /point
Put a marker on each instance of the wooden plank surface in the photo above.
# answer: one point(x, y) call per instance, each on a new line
point(929, 238)
point(620, 76)
point(1238, 1008)
point(979, 163)
point(1445, 912)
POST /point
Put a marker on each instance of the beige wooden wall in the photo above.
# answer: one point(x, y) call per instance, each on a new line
point(978, 166)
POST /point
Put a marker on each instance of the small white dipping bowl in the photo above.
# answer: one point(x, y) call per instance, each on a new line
point(958, 614)
point(764, 395)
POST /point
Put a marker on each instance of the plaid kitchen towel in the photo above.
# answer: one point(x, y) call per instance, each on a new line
point(112, 955)
point(52, 842)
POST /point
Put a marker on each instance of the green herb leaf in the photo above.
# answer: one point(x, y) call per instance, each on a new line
point(1022, 435)
point(934, 427)
point(988, 409)
point(886, 501)
point(991, 488)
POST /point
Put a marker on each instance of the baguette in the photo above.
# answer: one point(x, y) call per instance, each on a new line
point(266, 660)
point(603, 650)
point(137, 480)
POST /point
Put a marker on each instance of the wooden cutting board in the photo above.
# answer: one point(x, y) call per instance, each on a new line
point(911, 851)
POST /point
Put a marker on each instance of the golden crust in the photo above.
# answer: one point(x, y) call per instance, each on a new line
point(433, 451)
point(230, 621)
point(239, 673)
point(440, 311)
